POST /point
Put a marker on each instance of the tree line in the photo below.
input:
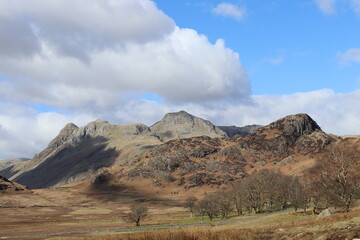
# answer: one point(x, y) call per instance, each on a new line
point(333, 182)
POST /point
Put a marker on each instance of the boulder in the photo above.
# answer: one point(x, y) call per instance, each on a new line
point(326, 213)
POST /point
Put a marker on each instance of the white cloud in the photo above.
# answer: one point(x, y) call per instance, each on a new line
point(355, 4)
point(229, 10)
point(110, 51)
point(350, 55)
point(327, 6)
point(25, 132)
point(77, 28)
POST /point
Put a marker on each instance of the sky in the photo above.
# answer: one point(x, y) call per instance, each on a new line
point(234, 62)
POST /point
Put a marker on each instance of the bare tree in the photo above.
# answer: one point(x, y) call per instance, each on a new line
point(137, 214)
point(297, 194)
point(338, 175)
point(224, 202)
point(208, 206)
point(190, 204)
point(238, 196)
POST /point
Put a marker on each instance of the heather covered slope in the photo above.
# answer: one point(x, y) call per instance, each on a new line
point(291, 144)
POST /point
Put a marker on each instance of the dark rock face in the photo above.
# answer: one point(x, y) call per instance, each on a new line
point(3, 187)
point(4, 179)
point(103, 176)
point(232, 131)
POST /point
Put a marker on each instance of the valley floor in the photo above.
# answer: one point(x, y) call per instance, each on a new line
point(72, 214)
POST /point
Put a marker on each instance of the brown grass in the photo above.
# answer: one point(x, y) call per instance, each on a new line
point(282, 226)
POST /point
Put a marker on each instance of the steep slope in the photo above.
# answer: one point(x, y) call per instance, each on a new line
point(9, 167)
point(183, 125)
point(76, 153)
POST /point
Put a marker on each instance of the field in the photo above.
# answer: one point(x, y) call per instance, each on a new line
point(71, 213)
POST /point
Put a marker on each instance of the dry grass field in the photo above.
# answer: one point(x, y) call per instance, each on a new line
point(77, 209)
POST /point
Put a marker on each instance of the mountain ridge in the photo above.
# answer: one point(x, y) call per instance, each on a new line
point(190, 150)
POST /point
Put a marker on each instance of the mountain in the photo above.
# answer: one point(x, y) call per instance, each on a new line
point(232, 131)
point(76, 153)
point(183, 125)
point(180, 151)
point(288, 144)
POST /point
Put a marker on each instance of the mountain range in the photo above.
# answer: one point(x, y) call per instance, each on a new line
point(180, 151)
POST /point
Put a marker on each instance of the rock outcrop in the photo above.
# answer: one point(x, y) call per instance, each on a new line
point(182, 125)
point(7, 186)
point(283, 136)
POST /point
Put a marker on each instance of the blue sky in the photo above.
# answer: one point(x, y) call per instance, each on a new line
point(285, 46)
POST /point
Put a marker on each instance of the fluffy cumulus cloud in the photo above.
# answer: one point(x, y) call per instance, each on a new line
point(96, 58)
point(350, 55)
point(329, 6)
point(229, 10)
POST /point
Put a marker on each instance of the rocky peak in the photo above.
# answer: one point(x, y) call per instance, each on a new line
point(64, 135)
point(293, 125)
point(177, 118)
point(182, 124)
point(68, 129)
point(92, 129)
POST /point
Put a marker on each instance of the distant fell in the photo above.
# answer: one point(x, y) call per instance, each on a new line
point(182, 125)
point(232, 131)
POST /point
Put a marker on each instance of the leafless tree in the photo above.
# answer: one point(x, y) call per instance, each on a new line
point(137, 214)
point(208, 206)
point(338, 175)
point(298, 194)
point(224, 202)
point(191, 204)
point(238, 196)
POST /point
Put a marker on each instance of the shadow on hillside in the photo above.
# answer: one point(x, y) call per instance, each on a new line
point(122, 193)
point(70, 163)
point(8, 172)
